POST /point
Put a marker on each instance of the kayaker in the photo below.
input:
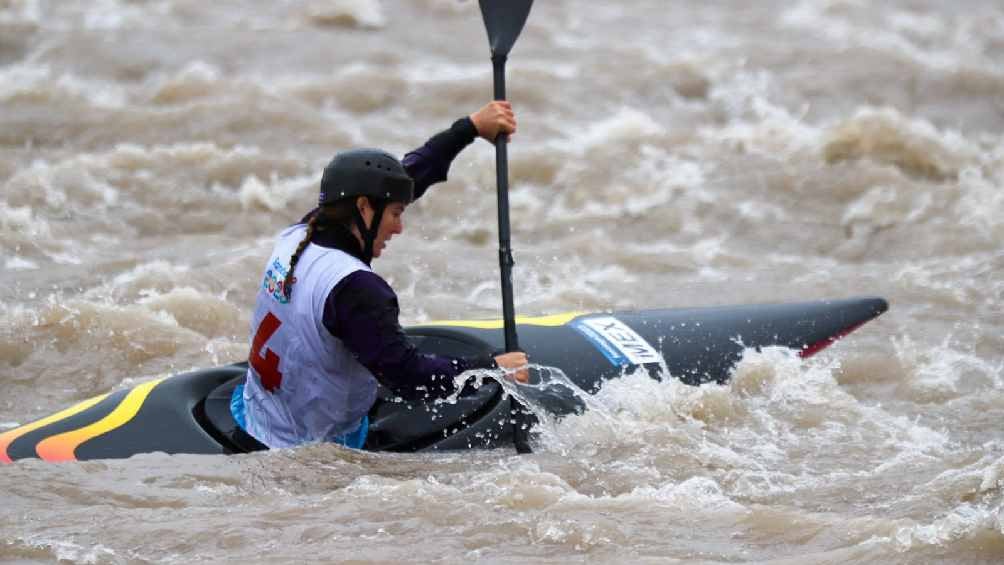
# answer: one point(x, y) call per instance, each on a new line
point(325, 329)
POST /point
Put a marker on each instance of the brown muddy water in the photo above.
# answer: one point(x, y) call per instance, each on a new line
point(669, 154)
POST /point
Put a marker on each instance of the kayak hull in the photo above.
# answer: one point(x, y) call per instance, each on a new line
point(189, 413)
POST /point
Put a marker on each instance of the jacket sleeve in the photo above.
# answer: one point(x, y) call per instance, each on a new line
point(431, 162)
point(362, 311)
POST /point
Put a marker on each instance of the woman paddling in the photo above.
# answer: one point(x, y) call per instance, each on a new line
point(325, 329)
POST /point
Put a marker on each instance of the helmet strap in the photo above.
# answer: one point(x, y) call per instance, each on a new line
point(369, 234)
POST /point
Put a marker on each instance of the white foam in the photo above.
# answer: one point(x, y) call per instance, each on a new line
point(21, 219)
point(886, 206)
point(65, 550)
point(21, 12)
point(757, 124)
point(217, 489)
point(277, 193)
point(938, 372)
point(776, 403)
point(386, 488)
point(696, 495)
point(196, 79)
point(890, 30)
point(190, 308)
point(116, 14)
point(648, 177)
point(628, 125)
point(981, 200)
point(993, 476)
point(29, 82)
point(962, 522)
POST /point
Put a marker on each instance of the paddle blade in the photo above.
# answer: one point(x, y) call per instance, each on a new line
point(504, 20)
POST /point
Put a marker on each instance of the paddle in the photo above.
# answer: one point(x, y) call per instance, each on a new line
point(504, 20)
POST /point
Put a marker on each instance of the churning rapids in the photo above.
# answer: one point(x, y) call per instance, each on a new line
point(669, 154)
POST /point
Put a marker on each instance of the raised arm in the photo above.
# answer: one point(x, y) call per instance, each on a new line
point(431, 162)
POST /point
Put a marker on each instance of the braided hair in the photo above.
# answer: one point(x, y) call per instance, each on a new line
point(338, 213)
point(287, 285)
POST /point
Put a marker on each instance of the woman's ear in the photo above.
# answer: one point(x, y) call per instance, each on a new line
point(366, 210)
point(362, 204)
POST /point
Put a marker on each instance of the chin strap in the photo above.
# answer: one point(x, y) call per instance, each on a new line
point(369, 233)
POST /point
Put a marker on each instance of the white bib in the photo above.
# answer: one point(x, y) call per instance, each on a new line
point(304, 385)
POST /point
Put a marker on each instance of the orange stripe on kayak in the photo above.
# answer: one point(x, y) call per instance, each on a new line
point(8, 438)
point(62, 447)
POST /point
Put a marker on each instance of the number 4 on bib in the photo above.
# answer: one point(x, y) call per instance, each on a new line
point(267, 367)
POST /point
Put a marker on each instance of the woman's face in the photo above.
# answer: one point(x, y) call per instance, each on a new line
point(391, 224)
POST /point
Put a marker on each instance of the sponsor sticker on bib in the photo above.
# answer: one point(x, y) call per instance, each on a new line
point(274, 283)
point(620, 344)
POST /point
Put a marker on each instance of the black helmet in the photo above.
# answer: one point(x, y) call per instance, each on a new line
point(373, 173)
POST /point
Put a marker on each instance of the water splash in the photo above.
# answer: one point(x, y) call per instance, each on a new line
point(549, 395)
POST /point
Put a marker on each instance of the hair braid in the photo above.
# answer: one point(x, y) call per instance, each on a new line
point(287, 285)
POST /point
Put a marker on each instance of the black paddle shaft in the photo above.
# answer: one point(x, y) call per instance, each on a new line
point(506, 261)
point(504, 20)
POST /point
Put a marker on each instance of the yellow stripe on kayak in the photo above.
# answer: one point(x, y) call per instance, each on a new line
point(551, 321)
point(8, 438)
point(62, 447)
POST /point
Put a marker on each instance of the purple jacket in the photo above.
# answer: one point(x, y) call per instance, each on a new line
point(362, 310)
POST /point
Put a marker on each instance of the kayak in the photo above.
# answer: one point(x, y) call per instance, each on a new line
point(190, 412)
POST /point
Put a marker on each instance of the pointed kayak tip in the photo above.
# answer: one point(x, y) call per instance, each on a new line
point(860, 312)
point(876, 305)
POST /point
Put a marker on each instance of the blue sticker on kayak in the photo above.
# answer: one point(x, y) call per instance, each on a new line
point(620, 344)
